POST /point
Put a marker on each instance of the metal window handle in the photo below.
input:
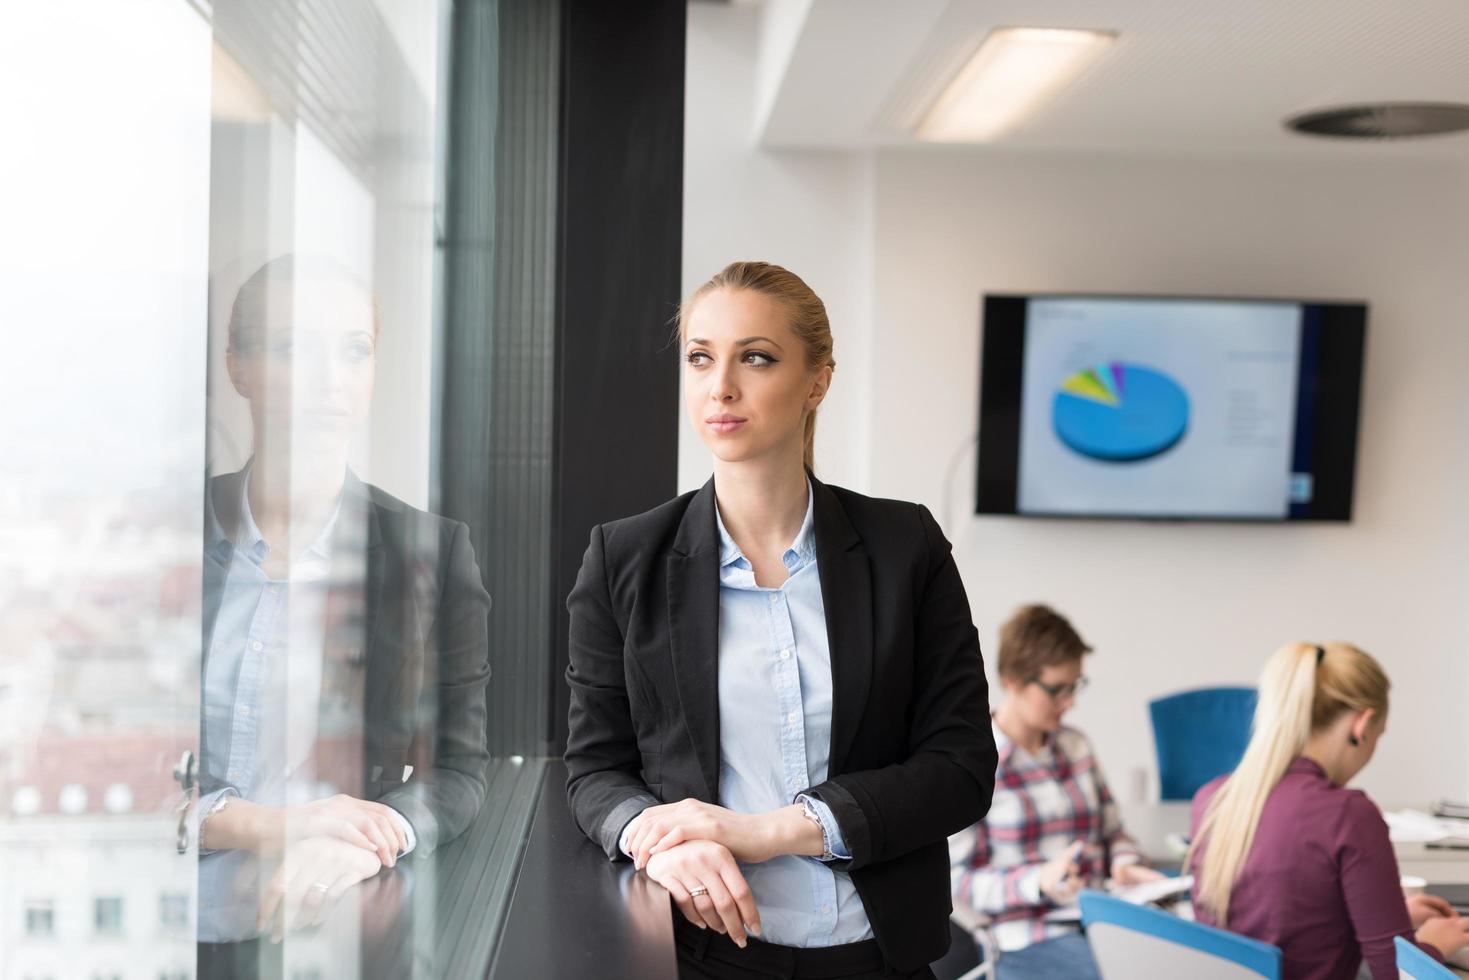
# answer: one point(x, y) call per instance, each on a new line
point(183, 774)
point(183, 771)
point(181, 837)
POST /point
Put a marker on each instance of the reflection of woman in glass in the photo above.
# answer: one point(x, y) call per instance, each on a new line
point(345, 652)
point(778, 707)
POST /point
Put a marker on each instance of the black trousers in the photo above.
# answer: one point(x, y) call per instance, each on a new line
point(704, 954)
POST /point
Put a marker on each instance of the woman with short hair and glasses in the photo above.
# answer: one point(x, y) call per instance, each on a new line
point(1053, 828)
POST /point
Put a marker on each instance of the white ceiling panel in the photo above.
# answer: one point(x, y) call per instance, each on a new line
point(1184, 75)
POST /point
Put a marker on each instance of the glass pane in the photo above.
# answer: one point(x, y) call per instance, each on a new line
point(220, 544)
point(104, 189)
point(345, 655)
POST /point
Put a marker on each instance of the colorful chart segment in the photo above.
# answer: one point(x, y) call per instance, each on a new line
point(1120, 412)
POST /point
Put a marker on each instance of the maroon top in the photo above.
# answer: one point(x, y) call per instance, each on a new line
point(1320, 881)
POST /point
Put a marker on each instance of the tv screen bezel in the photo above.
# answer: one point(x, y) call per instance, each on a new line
point(1339, 354)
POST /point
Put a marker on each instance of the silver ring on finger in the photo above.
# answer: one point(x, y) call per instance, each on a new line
point(696, 892)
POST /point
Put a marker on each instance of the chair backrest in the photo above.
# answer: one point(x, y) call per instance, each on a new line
point(1414, 964)
point(1200, 734)
point(1130, 941)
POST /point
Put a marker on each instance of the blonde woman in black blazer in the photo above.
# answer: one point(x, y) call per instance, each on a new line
point(778, 706)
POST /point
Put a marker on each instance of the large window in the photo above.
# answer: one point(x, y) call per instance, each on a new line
point(283, 549)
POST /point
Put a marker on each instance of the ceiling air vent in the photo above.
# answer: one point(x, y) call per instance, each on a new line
point(1383, 120)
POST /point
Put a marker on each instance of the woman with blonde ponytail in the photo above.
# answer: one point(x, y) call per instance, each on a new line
point(778, 707)
point(1283, 853)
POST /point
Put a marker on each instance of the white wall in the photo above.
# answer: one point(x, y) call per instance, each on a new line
point(1170, 606)
point(902, 246)
point(810, 212)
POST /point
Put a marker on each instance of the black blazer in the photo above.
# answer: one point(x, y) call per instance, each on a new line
point(406, 660)
point(912, 754)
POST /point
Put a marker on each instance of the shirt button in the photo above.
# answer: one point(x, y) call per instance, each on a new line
point(256, 645)
point(793, 717)
point(233, 774)
point(826, 910)
point(785, 655)
point(244, 711)
point(774, 600)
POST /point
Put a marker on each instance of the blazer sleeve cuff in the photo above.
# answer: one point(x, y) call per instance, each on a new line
point(422, 826)
point(610, 834)
point(852, 826)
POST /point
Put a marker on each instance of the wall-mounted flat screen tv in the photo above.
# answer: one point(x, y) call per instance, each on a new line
point(1169, 407)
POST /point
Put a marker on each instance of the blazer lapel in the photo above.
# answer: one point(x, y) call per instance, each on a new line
point(223, 509)
point(846, 595)
point(351, 683)
point(693, 630)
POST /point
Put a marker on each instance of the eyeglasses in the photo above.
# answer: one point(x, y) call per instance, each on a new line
point(1060, 691)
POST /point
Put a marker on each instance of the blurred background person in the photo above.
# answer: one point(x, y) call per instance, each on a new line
point(1053, 828)
point(1284, 853)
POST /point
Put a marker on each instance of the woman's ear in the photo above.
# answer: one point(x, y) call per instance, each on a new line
point(237, 374)
point(1358, 730)
point(820, 385)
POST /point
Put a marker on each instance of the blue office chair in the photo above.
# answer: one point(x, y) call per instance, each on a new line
point(1200, 734)
point(1414, 964)
point(1130, 941)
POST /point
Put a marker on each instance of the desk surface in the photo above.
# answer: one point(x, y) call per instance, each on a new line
point(576, 914)
point(1150, 824)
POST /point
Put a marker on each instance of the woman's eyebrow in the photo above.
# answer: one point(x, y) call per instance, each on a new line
point(742, 342)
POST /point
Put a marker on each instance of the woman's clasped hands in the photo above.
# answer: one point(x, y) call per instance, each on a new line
point(693, 849)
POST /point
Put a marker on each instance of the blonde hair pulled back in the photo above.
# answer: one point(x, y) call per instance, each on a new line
point(1304, 690)
point(808, 320)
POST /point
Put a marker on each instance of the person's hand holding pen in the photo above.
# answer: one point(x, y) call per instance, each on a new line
point(1134, 873)
point(1060, 877)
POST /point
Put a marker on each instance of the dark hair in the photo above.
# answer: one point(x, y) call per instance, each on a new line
point(1036, 637)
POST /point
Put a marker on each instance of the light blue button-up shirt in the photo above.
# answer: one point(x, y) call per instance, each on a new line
point(261, 693)
point(775, 703)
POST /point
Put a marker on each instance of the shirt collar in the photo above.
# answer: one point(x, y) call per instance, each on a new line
point(1006, 748)
point(247, 534)
point(1309, 766)
point(802, 549)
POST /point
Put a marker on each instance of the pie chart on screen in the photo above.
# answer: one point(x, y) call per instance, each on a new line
point(1120, 412)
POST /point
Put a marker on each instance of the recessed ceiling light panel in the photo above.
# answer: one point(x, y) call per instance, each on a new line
point(1011, 74)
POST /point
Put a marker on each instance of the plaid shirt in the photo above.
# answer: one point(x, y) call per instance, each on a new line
point(1042, 803)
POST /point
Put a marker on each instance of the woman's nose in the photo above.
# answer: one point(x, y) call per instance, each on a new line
point(721, 387)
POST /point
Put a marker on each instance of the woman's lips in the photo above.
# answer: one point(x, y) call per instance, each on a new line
point(724, 424)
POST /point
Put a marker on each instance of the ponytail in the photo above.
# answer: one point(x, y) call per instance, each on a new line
point(1303, 690)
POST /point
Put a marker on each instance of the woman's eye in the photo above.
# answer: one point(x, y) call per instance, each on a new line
point(758, 358)
point(697, 358)
point(359, 352)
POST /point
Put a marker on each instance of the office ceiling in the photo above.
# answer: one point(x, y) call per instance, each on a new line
point(1184, 76)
